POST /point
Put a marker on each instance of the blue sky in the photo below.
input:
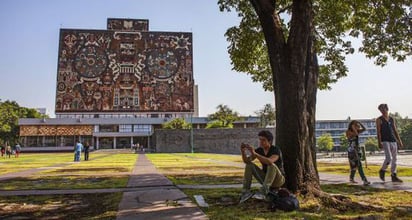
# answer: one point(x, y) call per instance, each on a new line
point(30, 34)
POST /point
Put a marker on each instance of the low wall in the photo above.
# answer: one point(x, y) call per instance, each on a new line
point(225, 141)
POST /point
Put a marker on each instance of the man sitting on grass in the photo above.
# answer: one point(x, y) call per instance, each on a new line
point(271, 176)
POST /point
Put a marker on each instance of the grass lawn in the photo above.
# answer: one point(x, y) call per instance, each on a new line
point(108, 170)
point(197, 169)
point(103, 170)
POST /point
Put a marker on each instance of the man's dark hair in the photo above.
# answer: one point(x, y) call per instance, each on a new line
point(266, 134)
point(383, 106)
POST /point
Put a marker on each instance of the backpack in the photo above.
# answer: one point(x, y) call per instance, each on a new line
point(283, 200)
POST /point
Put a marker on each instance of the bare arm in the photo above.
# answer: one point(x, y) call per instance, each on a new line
point(378, 132)
point(245, 158)
point(361, 128)
point(263, 159)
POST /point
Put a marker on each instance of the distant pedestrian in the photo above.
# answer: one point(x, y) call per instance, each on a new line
point(17, 149)
point(78, 150)
point(354, 152)
point(3, 151)
point(388, 140)
point(86, 151)
point(8, 151)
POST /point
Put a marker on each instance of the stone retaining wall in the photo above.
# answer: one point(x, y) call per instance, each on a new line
point(225, 141)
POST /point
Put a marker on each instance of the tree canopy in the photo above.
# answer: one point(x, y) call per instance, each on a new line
point(177, 123)
point(224, 115)
point(267, 115)
point(295, 47)
point(10, 112)
point(379, 29)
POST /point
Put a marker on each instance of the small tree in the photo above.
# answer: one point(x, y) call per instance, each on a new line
point(177, 123)
point(401, 123)
point(267, 115)
point(343, 141)
point(217, 124)
point(325, 142)
point(371, 144)
point(225, 115)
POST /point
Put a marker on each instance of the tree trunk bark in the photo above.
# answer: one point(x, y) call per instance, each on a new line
point(295, 76)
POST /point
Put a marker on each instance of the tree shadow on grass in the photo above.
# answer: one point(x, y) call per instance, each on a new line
point(85, 206)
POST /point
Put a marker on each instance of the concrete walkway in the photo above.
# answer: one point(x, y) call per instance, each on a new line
point(159, 200)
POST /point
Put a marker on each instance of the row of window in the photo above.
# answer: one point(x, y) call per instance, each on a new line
point(123, 128)
point(114, 115)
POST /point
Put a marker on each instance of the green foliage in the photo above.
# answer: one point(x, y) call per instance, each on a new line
point(325, 142)
point(343, 141)
point(371, 144)
point(225, 117)
point(10, 112)
point(401, 123)
point(177, 123)
point(267, 115)
point(406, 136)
point(383, 26)
point(217, 124)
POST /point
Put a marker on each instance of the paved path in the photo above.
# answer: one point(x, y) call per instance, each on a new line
point(159, 200)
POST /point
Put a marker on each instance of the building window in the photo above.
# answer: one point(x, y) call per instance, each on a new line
point(109, 128)
point(125, 128)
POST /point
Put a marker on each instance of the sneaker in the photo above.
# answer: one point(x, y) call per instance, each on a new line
point(259, 196)
point(366, 182)
point(382, 175)
point(352, 181)
point(396, 179)
point(245, 196)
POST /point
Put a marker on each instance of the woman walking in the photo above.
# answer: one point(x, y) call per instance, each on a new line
point(354, 153)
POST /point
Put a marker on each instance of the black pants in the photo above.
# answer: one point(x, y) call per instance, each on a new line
point(86, 155)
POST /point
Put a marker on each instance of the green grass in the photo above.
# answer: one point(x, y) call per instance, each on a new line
point(195, 169)
point(100, 206)
point(223, 204)
point(371, 170)
point(200, 169)
point(103, 170)
point(106, 170)
point(31, 161)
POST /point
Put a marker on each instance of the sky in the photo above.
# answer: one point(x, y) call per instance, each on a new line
point(29, 52)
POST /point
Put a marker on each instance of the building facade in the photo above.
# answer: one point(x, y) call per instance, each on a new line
point(115, 86)
point(337, 128)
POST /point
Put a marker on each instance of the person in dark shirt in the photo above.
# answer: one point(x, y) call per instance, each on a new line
point(86, 151)
point(271, 175)
point(388, 140)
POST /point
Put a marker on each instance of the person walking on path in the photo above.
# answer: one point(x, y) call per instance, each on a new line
point(354, 153)
point(17, 149)
point(86, 151)
point(78, 150)
point(271, 176)
point(3, 151)
point(8, 151)
point(388, 140)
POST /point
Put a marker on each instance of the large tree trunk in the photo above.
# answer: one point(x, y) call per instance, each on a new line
point(295, 76)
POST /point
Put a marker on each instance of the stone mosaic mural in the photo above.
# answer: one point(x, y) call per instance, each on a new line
point(124, 70)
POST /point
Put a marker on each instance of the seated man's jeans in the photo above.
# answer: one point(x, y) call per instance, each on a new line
point(272, 178)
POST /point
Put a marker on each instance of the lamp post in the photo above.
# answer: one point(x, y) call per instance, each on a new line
point(191, 132)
